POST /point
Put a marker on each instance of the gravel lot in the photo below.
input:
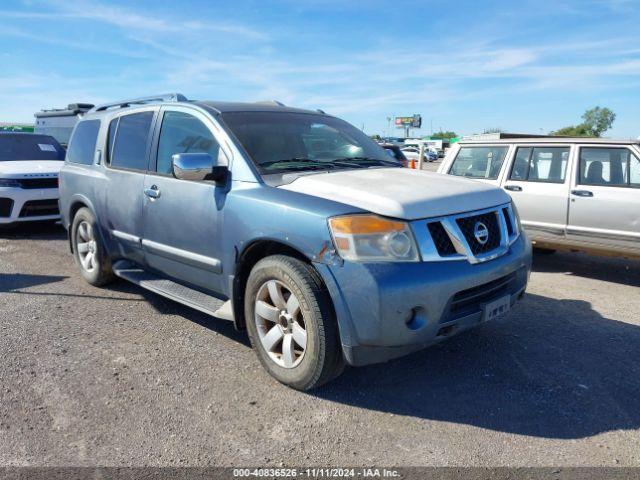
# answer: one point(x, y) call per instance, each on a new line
point(119, 376)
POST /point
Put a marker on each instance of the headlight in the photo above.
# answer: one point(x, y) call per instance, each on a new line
point(517, 215)
point(9, 182)
point(369, 238)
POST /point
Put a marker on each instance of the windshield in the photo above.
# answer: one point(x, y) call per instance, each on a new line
point(24, 146)
point(283, 142)
point(479, 162)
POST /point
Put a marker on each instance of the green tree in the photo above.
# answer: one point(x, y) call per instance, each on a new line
point(574, 131)
point(444, 135)
point(596, 121)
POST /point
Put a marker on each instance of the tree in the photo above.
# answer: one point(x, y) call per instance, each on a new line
point(597, 120)
point(573, 131)
point(444, 135)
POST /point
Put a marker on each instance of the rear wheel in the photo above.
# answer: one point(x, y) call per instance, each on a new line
point(88, 250)
point(291, 323)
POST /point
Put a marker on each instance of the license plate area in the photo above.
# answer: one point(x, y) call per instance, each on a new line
point(496, 309)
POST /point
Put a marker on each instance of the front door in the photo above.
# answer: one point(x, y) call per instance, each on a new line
point(538, 185)
point(605, 198)
point(181, 218)
point(125, 165)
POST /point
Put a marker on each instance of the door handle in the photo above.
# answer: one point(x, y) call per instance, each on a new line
point(513, 188)
point(582, 193)
point(152, 192)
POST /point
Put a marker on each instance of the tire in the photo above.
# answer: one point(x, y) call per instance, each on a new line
point(85, 235)
point(320, 360)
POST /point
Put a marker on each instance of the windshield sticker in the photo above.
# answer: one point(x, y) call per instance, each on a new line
point(47, 147)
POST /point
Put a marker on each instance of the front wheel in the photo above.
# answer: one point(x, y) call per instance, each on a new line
point(88, 250)
point(291, 324)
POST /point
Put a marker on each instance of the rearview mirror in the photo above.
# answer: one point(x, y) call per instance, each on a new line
point(197, 167)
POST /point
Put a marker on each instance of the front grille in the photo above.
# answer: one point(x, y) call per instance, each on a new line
point(31, 183)
point(469, 301)
point(441, 239)
point(507, 219)
point(6, 204)
point(468, 226)
point(38, 208)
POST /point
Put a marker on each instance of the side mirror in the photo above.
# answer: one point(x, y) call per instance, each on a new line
point(197, 167)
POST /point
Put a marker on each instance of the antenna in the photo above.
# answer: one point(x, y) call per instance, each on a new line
point(275, 103)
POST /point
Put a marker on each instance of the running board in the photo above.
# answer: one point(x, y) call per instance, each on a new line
point(174, 291)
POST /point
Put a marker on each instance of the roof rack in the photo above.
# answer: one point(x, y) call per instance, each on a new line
point(166, 97)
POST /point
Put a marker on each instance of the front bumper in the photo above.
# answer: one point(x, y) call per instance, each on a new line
point(23, 205)
point(386, 310)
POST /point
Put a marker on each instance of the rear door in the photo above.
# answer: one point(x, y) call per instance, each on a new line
point(538, 183)
point(182, 218)
point(128, 144)
point(605, 197)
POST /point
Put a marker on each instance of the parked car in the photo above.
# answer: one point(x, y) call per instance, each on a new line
point(29, 166)
point(395, 152)
point(413, 153)
point(291, 223)
point(572, 193)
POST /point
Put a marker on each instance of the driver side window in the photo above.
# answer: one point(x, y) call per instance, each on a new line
point(184, 133)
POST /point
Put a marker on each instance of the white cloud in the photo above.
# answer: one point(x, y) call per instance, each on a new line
point(236, 60)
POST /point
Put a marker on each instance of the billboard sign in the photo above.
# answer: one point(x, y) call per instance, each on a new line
point(412, 122)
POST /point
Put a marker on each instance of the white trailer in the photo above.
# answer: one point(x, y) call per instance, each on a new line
point(59, 122)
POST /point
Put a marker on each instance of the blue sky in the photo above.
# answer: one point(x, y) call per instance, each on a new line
point(527, 66)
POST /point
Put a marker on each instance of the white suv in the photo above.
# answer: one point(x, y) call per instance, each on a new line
point(572, 193)
point(29, 166)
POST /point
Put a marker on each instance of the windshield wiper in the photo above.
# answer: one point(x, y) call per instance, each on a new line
point(297, 163)
point(364, 162)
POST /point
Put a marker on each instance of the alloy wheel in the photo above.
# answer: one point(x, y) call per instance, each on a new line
point(86, 246)
point(280, 324)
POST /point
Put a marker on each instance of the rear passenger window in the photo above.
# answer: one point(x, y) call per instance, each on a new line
point(83, 142)
point(540, 164)
point(184, 133)
point(131, 138)
point(612, 167)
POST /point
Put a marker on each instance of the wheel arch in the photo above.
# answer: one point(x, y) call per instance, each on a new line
point(246, 260)
point(78, 202)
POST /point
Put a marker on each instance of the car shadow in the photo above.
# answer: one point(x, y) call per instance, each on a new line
point(10, 282)
point(553, 369)
point(15, 283)
point(34, 230)
point(609, 269)
point(165, 306)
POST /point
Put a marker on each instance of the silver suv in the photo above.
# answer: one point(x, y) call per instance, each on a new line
point(572, 193)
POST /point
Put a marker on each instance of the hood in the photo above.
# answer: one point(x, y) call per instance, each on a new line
point(30, 168)
point(401, 192)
